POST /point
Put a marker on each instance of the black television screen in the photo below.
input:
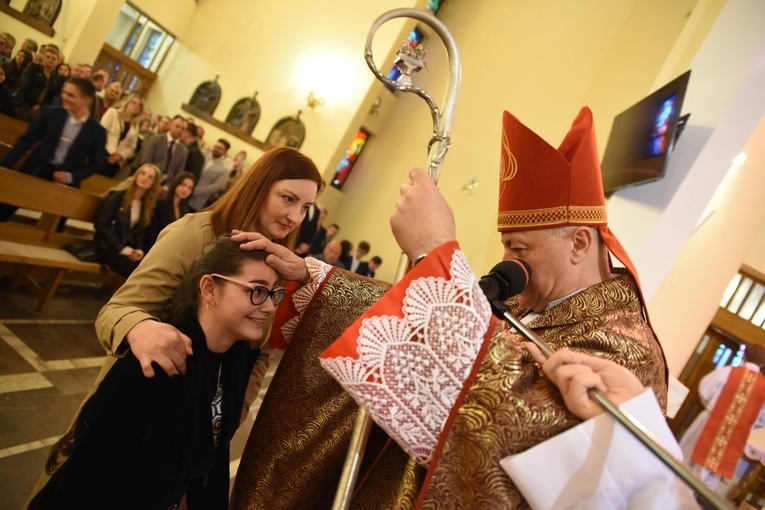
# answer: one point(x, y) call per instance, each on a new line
point(642, 138)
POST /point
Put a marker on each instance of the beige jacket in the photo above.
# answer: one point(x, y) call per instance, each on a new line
point(153, 283)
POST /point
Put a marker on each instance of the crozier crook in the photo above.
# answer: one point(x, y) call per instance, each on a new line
point(409, 60)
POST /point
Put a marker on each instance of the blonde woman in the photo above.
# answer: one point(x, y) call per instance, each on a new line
point(123, 218)
point(121, 125)
point(111, 98)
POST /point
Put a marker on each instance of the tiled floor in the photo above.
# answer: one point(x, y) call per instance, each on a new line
point(48, 361)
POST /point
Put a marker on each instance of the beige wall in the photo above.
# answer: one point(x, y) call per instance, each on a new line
point(266, 47)
point(82, 25)
point(174, 15)
point(68, 27)
point(685, 269)
point(607, 58)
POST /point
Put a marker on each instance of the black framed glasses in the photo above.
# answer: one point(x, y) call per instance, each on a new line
point(258, 293)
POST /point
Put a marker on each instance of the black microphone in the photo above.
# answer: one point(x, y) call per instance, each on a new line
point(505, 280)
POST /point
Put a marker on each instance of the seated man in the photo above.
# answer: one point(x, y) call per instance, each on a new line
point(354, 262)
point(331, 254)
point(213, 177)
point(323, 235)
point(70, 144)
point(369, 268)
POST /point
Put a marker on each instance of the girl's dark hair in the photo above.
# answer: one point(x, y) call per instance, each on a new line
point(240, 206)
point(183, 205)
point(223, 256)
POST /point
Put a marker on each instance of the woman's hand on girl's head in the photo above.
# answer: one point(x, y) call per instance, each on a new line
point(286, 264)
point(247, 239)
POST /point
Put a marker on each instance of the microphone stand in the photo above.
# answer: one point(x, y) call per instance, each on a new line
point(623, 418)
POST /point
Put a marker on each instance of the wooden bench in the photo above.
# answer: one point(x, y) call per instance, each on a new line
point(30, 252)
point(10, 131)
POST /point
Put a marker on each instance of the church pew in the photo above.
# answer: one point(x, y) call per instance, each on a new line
point(32, 251)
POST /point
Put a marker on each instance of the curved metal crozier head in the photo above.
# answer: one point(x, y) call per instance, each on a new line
point(410, 60)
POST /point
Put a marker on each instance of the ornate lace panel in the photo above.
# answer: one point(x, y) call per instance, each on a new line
point(410, 371)
point(318, 272)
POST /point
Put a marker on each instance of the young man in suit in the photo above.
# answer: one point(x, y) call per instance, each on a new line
point(310, 226)
point(353, 263)
point(72, 146)
point(195, 160)
point(167, 151)
point(369, 268)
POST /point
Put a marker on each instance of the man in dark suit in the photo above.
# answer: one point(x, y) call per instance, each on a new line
point(310, 225)
point(72, 146)
point(167, 151)
point(353, 262)
point(195, 160)
point(369, 268)
point(323, 236)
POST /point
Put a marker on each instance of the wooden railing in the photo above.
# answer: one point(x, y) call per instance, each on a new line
point(125, 70)
point(745, 296)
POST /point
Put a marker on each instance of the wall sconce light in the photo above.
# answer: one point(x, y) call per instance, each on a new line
point(313, 101)
point(375, 110)
point(470, 185)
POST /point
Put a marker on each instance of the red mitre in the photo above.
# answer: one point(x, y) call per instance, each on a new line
point(543, 187)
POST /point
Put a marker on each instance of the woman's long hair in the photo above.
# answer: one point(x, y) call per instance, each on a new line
point(123, 106)
point(149, 199)
point(183, 205)
point(13, 70)
point(225, 257)
point(240, 206)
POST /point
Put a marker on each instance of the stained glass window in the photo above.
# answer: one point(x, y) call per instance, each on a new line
point(349, 158)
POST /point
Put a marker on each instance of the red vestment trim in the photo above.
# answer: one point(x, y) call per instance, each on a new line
point(724, 436)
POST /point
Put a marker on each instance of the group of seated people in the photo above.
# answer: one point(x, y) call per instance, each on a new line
point(34, 76)
point(81, 123)
point(339, 254)
point(134, 213)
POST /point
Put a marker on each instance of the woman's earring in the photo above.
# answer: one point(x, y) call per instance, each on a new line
point(210, 304)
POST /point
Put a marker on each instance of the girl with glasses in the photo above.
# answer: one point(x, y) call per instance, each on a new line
point(143, 442)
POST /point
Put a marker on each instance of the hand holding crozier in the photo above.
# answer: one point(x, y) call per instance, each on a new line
point(422, 220)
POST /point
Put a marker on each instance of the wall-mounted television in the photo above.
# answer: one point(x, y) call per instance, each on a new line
point(643, 136)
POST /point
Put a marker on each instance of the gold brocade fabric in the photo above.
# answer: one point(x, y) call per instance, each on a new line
point(511, 408)
point(297, 445)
